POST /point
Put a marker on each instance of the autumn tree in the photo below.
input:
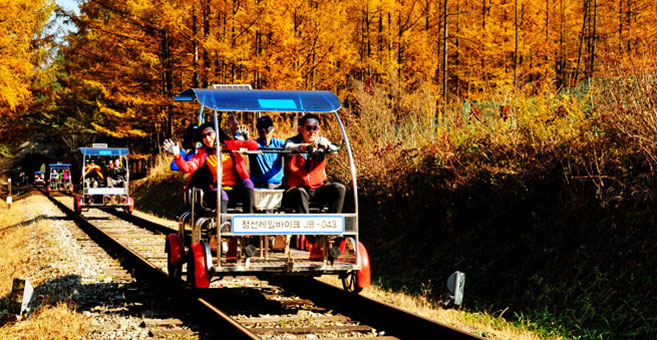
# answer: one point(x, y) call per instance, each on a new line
point(23, 49)
point(128, 59)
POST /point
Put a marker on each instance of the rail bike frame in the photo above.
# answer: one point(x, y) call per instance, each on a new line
point(54, 184)
point(318, 258)
point(39, 178)
point(102, 195)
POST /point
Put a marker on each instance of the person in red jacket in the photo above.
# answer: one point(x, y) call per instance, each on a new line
point(235, 180)
point(305, 172)
point(93, 175)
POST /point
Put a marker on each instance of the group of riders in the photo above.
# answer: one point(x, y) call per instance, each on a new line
point(299, 166)
point(112, 175)
point(61, 176)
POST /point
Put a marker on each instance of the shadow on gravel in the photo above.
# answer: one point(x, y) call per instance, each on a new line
point(35, 220)
point(96, 218)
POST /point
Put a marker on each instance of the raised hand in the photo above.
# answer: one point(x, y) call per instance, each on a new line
point(171, 147)
point(244, 132)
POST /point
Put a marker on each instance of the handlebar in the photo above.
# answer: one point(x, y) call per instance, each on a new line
point(309, 150)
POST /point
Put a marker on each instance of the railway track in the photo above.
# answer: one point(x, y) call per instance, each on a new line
point(255, 308)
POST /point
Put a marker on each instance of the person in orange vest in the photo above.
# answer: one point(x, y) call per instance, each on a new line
point(93, 175)
point(305, 172)
point(235, 182)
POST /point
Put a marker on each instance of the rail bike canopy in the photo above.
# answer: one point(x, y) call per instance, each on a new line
point(59, 166)
point(104, 151)
point(262, 100)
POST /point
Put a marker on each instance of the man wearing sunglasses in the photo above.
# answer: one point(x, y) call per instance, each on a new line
point(306, 171)
point(267, 168)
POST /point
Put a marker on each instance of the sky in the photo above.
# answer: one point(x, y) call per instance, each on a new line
point(68, 5)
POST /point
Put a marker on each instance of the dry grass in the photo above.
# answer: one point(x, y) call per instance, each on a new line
point(51, 322)
point(55, 317)
point(401, 132)
point(482, 324)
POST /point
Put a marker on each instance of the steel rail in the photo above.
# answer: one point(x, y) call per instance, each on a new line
point(150, 271)
point(397, 323)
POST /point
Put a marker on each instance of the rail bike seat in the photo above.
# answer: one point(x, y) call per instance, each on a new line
point(267, 200)
point(314, 207)
point(196, 197)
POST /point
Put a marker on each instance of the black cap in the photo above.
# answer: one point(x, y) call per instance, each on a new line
point(264, 122)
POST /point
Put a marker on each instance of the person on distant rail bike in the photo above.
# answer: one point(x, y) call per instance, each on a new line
point(305, 173)
point(116, 176)
point(66, 174)
point(93, 175)
point(54, 176)
point(235, 182)
point(267, 168)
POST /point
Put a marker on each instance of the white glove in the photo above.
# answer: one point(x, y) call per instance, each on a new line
point(244, 131)
point(171, 147)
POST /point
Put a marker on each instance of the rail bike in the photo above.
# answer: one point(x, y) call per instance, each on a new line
point(39, 178)
point(210, 243)
point(60, 178)
point(105, 179)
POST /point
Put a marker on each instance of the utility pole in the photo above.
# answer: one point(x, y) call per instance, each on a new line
point(9, 194)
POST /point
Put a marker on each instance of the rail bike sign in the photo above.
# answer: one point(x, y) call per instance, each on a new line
point(287, 224)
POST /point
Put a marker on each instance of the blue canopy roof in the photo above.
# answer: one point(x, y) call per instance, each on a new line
point(262, 100)
point(105, 151)
point(59, 165)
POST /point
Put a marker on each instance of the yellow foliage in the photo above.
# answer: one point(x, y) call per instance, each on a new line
point(138, 54)
point(21, 24)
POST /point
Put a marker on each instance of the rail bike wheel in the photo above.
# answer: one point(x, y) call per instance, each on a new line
point(130, 207)
point(174, 251)
point(355, 281)
point(350, 282)
point(197, 266)
point(77, 206)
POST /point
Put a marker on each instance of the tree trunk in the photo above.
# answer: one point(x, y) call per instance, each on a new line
point(629, 25)
point(168, 86)
point(389, 37)
point(515, 57)
point(426, 15)
point(400, 46)
point(380, 32)
point(483, 45)
point(547, 22)
point(457, 57)
point(620, 26)
point(581, 41)
point(560, 63)
point(594, 38)
point(195, 75)
point(206, 33)
point(445, 36)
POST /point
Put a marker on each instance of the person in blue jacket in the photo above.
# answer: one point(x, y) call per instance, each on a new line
point(267, 168)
